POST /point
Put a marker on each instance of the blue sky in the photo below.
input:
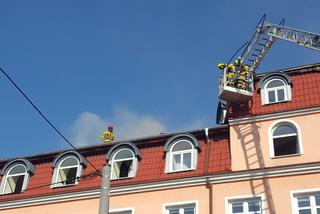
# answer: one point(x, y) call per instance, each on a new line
point(145, 66)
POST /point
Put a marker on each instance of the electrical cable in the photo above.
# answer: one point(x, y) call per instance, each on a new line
point(83, 177)
point(43, 116)
point(239, 49)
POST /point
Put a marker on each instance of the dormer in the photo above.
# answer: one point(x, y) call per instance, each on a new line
point(16, 175)
point(275, 88)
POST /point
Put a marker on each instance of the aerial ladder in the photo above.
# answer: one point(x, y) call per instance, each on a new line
point(255, 50)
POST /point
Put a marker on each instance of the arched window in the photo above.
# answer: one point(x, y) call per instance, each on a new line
point(123, 164)
point(276, 91)
point(285, 139)
point(123, 158)
point(181, 156)
point(16, 175)
point(15, 179)
point(67, 169)
point(181, 153)
point(275, 88)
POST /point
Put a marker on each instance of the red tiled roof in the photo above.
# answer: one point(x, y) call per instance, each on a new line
point(150, 169)
point(305, 94)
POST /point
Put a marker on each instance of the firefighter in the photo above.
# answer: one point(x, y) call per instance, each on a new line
point(230, 75)
point(221, 66)
point(108, 136)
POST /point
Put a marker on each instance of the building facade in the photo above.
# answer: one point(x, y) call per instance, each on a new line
point(264, 160)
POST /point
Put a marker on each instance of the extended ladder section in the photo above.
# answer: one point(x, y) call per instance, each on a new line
point(235, 85)
point(303, 38)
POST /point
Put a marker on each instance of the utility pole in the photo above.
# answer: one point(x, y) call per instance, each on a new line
point(105, 190)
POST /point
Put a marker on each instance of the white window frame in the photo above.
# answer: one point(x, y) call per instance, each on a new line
point(122, 210)
point(55, 182)
point(265, 92)
point(6, 176)
point(304, 192)
point(134, 164)
point(181, 205)
point(278, 123)
point(170, 154)
point(244, 199)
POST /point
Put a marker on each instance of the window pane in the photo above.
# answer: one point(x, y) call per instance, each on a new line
point(189, 210)
point(17, 169)
point(280, 95)
point(271, 96)
point(304, 202)
point(254, 206)
point(183, 145)
point(174, 211)
point(71, 161)
point(284, 130)
point(122, 169)
point(187, 161)
point(176, 163)
point(183, 209)
point(71, 175)
point(126, 153)
point(307, 211)
point(285, 146)
point(237, 207)
point(318, 210)
point(275, 83)
point(14, 184)
point(67, 176)
point(317, 200)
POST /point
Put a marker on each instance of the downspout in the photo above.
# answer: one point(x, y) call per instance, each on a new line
point(208, 184)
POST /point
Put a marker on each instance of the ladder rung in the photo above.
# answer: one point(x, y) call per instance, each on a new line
point(261, 44)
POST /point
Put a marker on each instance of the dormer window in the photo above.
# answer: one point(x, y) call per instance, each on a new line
point(67, 169)
point(123, 158)
point(68, 172)
point(123, 164)
point(275, 88)
point(276, 91)
point(181, 153)
point(15, 179)
point(16, 175)
point(181, 156)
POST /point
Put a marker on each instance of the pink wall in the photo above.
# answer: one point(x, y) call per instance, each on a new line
point(250, 147)
point(278, 188)
point(147, 202)
point(71, 207)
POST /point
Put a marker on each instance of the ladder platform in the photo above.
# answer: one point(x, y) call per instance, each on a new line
point(232, 94)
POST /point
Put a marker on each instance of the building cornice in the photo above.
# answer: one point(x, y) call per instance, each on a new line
point(278, 115)
point(170, 184)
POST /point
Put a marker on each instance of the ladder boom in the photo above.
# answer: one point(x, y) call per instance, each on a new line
point(302, 38)
point(237, 82)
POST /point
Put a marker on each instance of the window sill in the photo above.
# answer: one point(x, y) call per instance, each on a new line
point(183, 170)
point(62, 186)
point(286, 156)
point(116, 179)
point(285, 101)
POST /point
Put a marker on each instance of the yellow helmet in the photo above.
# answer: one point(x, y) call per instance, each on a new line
point(246, 68)
point(231, 66)
point(221, 66)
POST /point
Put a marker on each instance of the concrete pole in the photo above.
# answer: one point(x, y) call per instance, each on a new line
point(105, 190)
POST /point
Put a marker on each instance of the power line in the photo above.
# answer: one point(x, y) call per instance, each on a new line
point(72, 179)
point(43, 116)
